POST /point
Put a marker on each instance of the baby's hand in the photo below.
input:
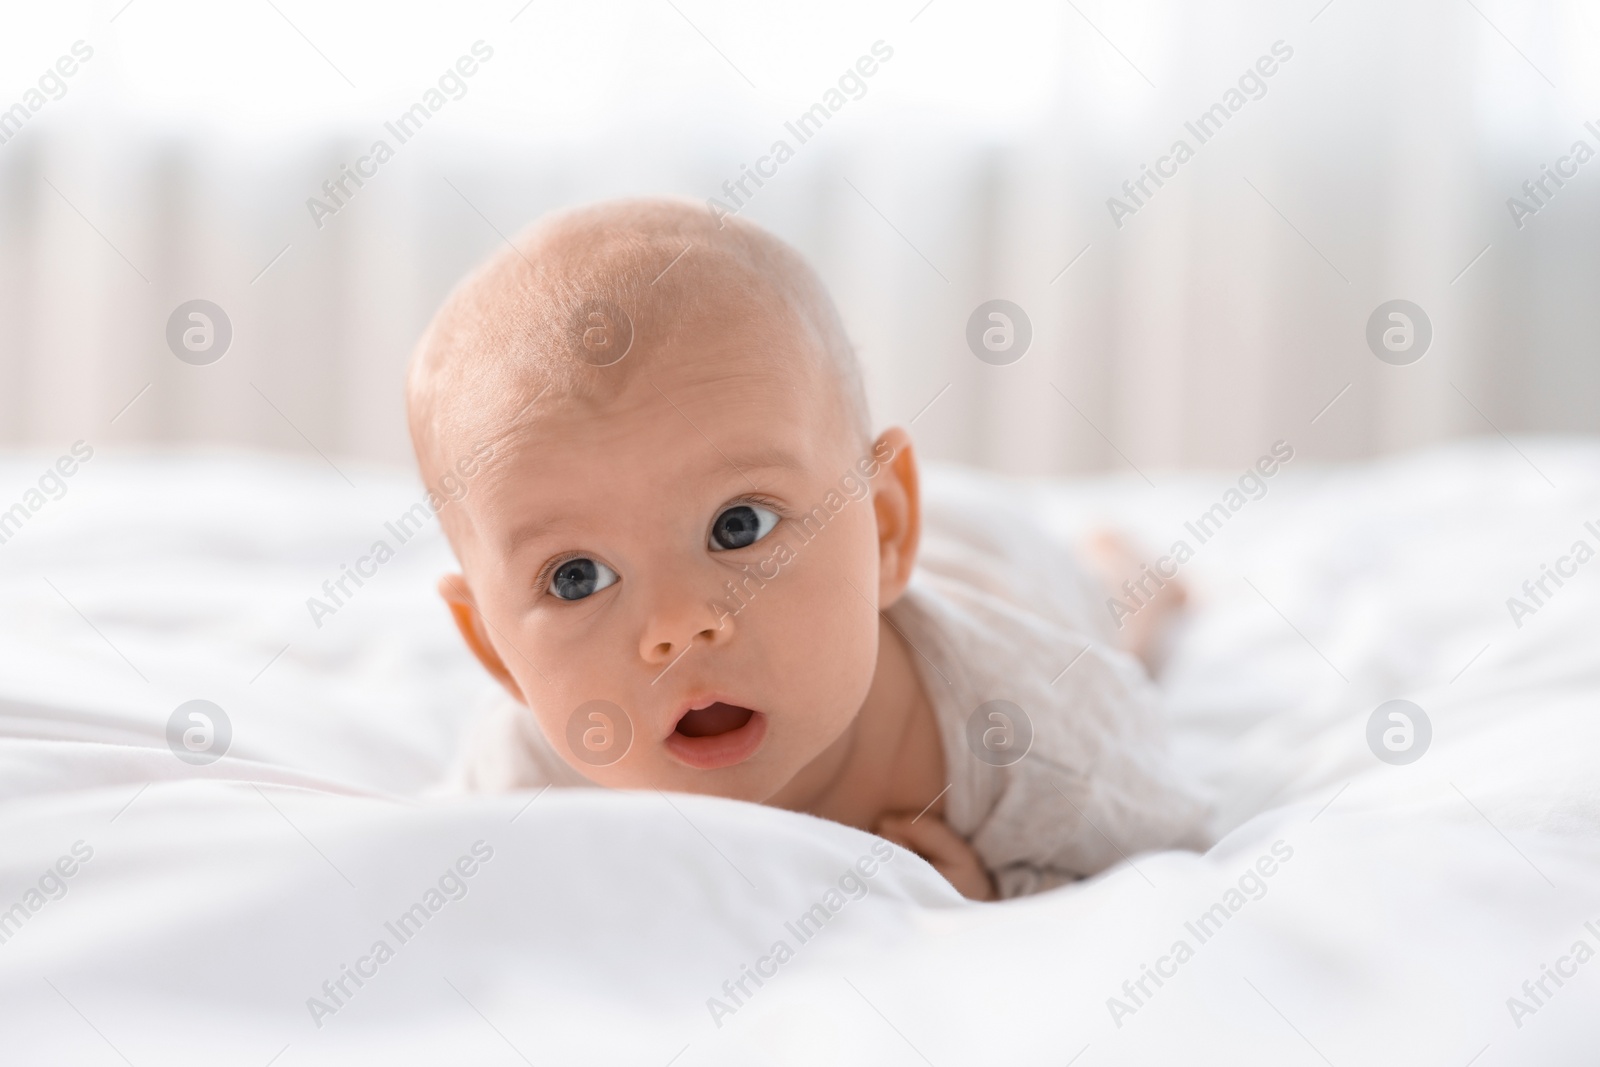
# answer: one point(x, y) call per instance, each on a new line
point(932, 839)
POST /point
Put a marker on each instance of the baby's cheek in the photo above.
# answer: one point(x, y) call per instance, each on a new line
point(573, 687)
point(598, 739)
point(825, 630)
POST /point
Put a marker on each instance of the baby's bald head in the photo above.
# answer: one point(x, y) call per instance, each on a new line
point(680, 461)
point(587, 298)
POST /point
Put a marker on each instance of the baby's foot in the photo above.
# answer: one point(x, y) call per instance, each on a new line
point(1158, 602)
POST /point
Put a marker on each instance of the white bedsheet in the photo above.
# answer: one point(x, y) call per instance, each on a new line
point(218, 900)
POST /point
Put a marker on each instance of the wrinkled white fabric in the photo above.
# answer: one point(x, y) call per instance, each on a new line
point(1419, 905)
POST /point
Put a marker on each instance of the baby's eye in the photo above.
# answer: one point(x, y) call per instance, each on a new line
point(578, 578)
point(741, 525)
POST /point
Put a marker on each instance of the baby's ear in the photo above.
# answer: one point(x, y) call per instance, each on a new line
point(897, 503)
point(464, 610)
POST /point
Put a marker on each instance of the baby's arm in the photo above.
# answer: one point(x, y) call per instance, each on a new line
point(930, 837)
point(1146, 631)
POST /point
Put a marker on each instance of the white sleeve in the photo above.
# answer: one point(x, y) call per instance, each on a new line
point(999, 612)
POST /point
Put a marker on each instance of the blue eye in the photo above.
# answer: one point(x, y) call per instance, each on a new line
point(578, 578)
point(741, 525)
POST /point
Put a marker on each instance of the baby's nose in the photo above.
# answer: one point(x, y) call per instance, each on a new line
point(674, 629)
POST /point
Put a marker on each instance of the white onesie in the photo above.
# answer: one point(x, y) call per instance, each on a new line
point(1053, 737)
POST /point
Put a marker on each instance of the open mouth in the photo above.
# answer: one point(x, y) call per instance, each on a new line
point(717, 735)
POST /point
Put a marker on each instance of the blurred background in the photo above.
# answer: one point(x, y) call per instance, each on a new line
point(1227, 311)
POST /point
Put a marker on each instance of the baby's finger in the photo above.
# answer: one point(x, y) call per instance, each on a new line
point(948, 852)
point(894, 835)
point(928, 837)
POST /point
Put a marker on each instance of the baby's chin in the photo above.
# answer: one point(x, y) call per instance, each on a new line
point(753, 785)
point(756, 780)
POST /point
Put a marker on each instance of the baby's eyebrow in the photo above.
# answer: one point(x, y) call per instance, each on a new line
point(766, 459)
point(528, 531)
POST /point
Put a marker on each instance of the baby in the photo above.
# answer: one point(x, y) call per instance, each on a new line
point(692, 567)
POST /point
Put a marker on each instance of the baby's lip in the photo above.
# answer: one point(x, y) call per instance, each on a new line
point(711, 732)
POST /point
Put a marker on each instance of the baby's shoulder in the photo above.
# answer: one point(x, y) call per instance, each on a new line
point(980, 543)
point(505, 750)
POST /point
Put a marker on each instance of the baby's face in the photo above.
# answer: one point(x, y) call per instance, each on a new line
point(700, 552)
